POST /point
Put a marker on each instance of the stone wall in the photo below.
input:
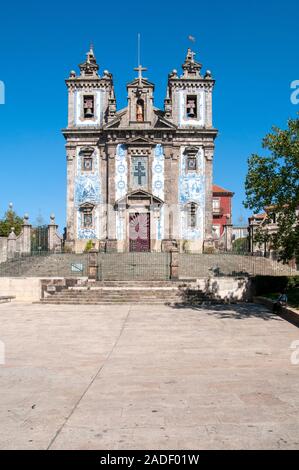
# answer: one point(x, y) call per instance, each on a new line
point(32, 289)
point(228, 289)
point(3, 249)
point(23, 289)
point(13, 246)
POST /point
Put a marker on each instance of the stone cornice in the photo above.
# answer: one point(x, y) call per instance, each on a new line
point(142, 137)
point(81, 83)
point(178, 83)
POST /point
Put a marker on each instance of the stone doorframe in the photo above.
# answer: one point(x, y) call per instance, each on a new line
point(140, 201)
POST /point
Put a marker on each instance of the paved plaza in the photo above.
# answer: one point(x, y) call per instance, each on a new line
point(151, 377)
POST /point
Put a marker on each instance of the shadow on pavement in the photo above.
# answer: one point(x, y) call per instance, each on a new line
point(241, 311)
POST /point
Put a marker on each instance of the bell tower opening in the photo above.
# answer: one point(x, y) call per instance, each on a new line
point(140, 110)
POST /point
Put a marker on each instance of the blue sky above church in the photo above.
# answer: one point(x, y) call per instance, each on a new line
point(250, 47)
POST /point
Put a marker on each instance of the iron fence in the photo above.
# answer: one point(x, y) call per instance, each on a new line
point(231, 264)
point(142, 266)
point(45, 264)
point(133, 266)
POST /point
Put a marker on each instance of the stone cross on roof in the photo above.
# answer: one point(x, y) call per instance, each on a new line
point(190, 55)
point(140, 69)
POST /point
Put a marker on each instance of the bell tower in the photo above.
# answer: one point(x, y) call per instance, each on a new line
point(189, 96)
point(91, 104)
point(188, 105)
point(88, 94)
point(140, 100)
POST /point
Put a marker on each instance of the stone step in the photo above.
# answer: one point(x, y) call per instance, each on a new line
point(104, 302)
point(119, 294)
point(137, 283)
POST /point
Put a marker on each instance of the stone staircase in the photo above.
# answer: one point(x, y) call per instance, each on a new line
point(132, 292)
point(119, 292)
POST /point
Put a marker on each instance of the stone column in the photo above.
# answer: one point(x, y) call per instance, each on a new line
point(208, 236)
point(111, 243)
point(71, 107)
point(52, 233)
point(228, 232)
point(93, 263)
point(11, 244)
point(174, 264)
point(26, 235)
point(208, 94)
point(171, 175)
point(70, 203)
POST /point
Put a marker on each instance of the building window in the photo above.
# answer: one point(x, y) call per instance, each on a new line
point(87, 219)
point(139, 171)
point(216, 206)
point(216, 203)
point(191, 163)
point(192, 215)
point(87, 163)
point(88, 107)
point(191, 106)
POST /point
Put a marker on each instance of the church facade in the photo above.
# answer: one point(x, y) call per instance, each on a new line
point(140, 178)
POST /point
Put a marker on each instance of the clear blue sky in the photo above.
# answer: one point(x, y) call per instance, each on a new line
point(250, 46)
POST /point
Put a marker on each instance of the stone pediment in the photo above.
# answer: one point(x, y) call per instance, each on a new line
point(115, 123)
point(163, 123)
point(86, 205)
point(140, 140)
point(139, 195)
point(144, 82)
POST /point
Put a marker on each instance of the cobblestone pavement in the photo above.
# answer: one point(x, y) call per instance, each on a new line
point(151, 377)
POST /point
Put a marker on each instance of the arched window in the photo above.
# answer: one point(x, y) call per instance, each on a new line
point(140, 110)
point(192, 215)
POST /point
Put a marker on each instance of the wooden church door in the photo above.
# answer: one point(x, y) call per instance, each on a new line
point(139, 232)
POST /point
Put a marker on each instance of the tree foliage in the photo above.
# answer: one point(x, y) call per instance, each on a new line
point(240, 245)
point(88, 246)
point(273, 182)
point(10, 220)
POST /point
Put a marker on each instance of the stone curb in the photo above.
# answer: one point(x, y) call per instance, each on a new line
point(287, 313)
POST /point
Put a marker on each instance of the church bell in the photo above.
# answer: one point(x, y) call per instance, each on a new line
point(88, 112)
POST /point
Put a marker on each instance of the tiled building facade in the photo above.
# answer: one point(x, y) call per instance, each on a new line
point(140, 178)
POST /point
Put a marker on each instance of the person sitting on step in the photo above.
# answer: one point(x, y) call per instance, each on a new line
point(281, 302)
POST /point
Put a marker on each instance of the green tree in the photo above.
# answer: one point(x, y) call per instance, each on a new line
point(88, 246)
point(272, 183)
point(10, 219)
point(240, 245)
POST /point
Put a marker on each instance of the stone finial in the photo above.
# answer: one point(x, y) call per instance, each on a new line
point(107, 75)
point(173, 74)
point(72, 74)
point(26, 219)
point(52, 218)
point(12, 235)
point(89, 67)
point(10, 206)
point(190, 67)
point(208, 74)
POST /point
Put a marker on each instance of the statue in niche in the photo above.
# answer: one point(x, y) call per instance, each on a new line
point(140, 111)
